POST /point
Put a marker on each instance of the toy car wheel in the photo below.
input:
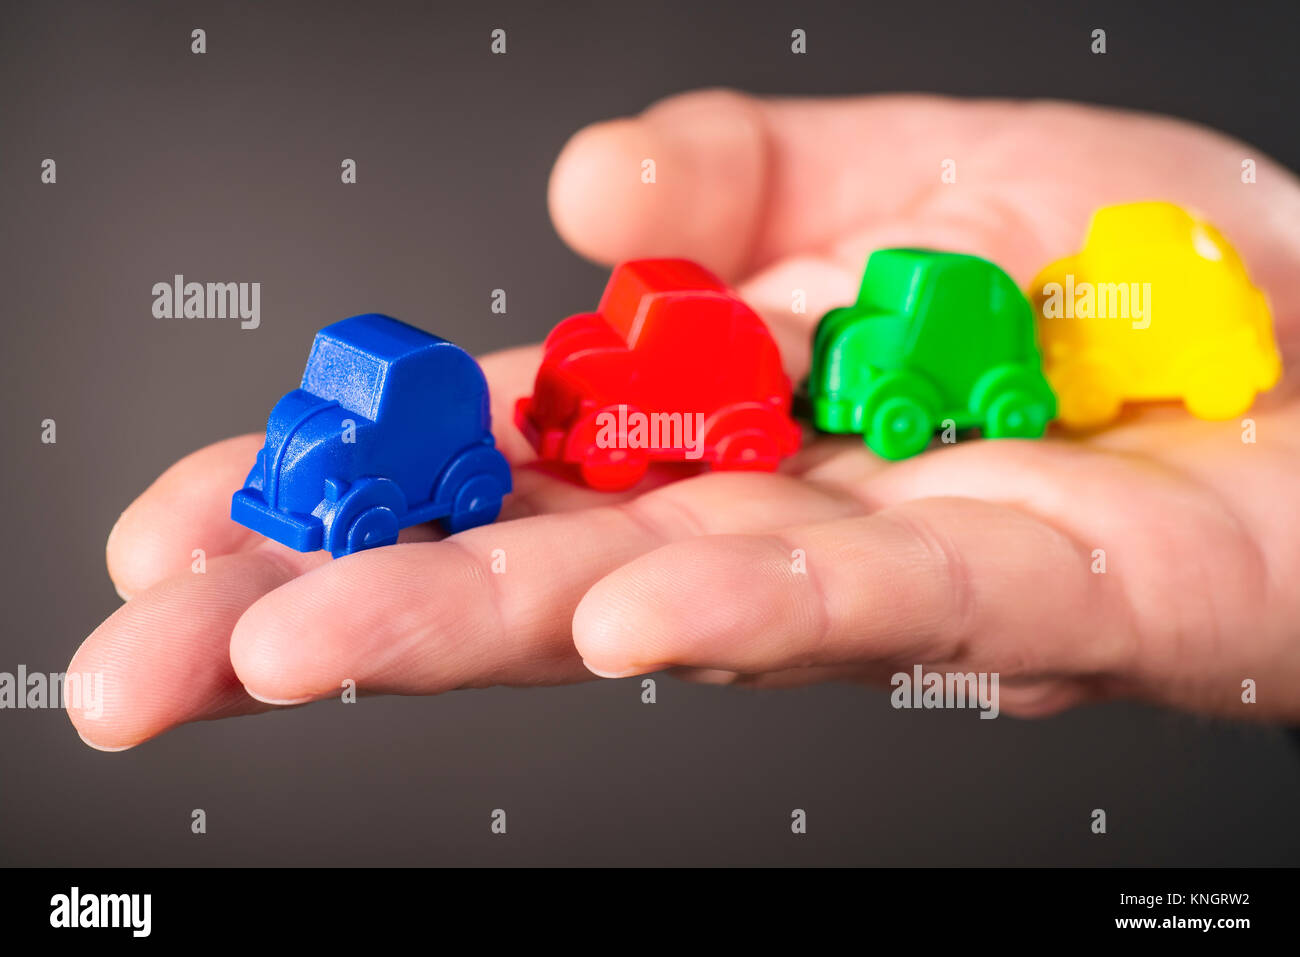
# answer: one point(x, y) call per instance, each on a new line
point(1218, 399)
point(749, 451)
point(1083, 401)
point(477, 502)
point(372, 528)
point(367, 517)
point(900, 427)
point(613, 470)
point(1015, 414)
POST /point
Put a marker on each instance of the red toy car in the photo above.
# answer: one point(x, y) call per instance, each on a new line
point(672, 367)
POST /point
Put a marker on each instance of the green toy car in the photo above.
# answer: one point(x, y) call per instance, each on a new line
point(936, 340)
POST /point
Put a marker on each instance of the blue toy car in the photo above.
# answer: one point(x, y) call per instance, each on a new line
point(391, 427)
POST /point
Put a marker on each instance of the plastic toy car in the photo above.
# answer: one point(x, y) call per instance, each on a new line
point(1156, 306)
point(390, 428)
point(933, 337)
point(671, 367)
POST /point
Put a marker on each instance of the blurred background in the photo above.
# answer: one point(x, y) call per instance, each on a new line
point(226, 167)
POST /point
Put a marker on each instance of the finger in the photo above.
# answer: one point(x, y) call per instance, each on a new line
point(164, 657)
point(788, 678)
point(510, 374)
point(685, 171)
point(793, 295)
point(938, 580)
point(187, 507)
point(490, 606)
point(742, 182)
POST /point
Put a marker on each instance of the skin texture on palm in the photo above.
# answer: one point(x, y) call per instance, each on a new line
point(970, 557)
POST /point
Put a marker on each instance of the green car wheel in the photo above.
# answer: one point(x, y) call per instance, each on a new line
point(1016, 415)
point(900, 428)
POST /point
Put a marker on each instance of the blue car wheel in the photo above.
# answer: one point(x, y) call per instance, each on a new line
point(372, 528)
point(368, 516)
point(477, 502)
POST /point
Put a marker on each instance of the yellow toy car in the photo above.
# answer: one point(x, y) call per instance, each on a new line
point(1156, 306)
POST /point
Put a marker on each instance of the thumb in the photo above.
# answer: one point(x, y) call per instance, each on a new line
point(686, 178)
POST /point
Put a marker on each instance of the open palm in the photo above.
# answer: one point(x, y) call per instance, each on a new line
point(980, 556)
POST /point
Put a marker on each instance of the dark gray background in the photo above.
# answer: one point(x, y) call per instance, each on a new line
point(226, 166)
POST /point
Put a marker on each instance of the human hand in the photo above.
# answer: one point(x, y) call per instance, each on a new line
point(973, 557)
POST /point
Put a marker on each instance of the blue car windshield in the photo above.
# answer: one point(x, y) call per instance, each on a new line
point(352, 379)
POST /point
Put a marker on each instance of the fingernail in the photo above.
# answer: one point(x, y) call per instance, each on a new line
point(102, 747)
point(282, 702)
point(639, 670)
point(108, 545)
point(711, 676)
